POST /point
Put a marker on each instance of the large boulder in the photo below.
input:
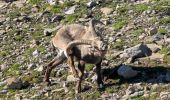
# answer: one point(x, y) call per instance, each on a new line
point(138, 51)
point(126, 72)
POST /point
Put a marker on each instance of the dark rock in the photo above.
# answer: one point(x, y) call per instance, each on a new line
point(137, 51)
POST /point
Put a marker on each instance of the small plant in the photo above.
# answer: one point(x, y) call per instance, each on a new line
point(165, 20)
point(162, 31)
point(34, 1)
point(89, 67)
point(140, 8)
point(119, 24)
point(164, 50)
point(14, 70)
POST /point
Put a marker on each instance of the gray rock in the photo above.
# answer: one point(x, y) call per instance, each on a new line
point(91, 4)
point(167, 77)
point(52, 2)
point(3, 67)
point(106, 10)
point(57, 18)
point(164, 95)
point(32, 66)
point(157, 37)
point(139, 93)
point(153, 31)
point(14, 83)
point(71, 78)
point(35, 53)
point(137, 51)
point(154, 47)
point(47, 32)
point(71, 10)
point(126, 72)
point(18, 97)
point(4, 91)
point(3, 83)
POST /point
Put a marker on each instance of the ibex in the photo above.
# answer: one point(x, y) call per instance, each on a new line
point(73, 43)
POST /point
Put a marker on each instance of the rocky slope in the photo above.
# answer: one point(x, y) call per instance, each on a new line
point(135, 67)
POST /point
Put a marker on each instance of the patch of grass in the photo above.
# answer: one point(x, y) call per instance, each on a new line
point(138, 32)
point(33, 77)
point(138, 98)
point(119, 24)
point(117, 45)
point(89, 67)
point(14, 70)
point(4, 53)
point(123, 9)
point(165, 50)
point(165, 20)
point(160, 8)
point(93, 96)
point(34, 1)
point(162, 31)
point(70, 18)
point(140, 8)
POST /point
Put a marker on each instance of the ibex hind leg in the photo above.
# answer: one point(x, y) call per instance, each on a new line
point(55, 62)
point(72, 66)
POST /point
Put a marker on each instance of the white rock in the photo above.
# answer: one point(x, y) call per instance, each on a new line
point(126, 72)
point(71, 78)
point(35, 53)
point(91, 4)
point(51, 2)
point(106, 10)
point(31, 66)
point(71, 10)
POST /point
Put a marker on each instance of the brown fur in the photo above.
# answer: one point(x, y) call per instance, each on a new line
point(82, 53)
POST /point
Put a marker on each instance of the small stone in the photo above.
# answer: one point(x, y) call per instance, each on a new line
point(154, 47)
point(91, 4)
point(18, 97)
point(40, 68)
point(32, 66)
point(106, 10)
point(52, 2)
point(3, 83)
point(126, 72)
point(14, 83)
point(3, 67)
point(139, 93)
point(71, 78)
point(71, 10)
point(47, 32)
point(165, 95)
point(35, 53)
point(57, 18)
point(3, 91)
point(153, 31)
point(167, 77)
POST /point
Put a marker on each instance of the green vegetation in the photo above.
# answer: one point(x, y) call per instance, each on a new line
point(119, 24)
point(35, 1)
point(165, 20)
point(138, 31)
point(13, 70)
point(162, 31)
point(92, 96)
point(140, 8)
point(117, 45)
point(164, 50)
point(89, 67)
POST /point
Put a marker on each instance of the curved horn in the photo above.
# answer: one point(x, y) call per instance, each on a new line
point(92, 22)
point(80, 42)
